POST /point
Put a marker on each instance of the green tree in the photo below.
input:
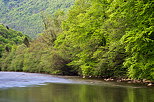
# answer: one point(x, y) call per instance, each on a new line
point(139, 41)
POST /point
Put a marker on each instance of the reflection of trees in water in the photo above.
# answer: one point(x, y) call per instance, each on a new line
point(77, 93)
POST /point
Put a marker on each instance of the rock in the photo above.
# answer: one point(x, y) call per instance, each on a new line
point(129, 82)
point(84, 77)
point(118, 80)
point(146, 81)
point(150, 84)
point(106, 79)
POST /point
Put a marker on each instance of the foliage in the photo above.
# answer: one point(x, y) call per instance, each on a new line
point(96, 38)
point(39, 55)
point(139, 42)
point(99, 35)
point(24, 15)
point(8, 38)
point(87, 41)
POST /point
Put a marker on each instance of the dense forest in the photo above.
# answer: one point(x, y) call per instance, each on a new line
point(25, 15)
point(95, 38)
point(9, 38)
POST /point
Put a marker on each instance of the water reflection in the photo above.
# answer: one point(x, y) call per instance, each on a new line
point(76, 93)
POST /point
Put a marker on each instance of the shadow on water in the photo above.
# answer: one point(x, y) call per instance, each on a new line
point(77, 90)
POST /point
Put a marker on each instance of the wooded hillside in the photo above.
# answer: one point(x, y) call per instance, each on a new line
point(25, 15)
point(96, 38)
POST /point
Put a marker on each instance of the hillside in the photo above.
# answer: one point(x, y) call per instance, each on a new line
point(25, 16)
point(8, 38)
point(96, 38)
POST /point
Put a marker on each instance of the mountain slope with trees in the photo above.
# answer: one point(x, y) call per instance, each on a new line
point(9, 41)
point(96, 38)
point(25, 15)
point(9, 38)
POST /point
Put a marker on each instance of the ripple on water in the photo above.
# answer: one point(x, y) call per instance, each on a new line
point(22, 79)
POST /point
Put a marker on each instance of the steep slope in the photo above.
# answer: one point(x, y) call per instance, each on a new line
point(25, 16)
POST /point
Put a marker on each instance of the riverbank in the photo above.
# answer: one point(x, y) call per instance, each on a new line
point(144, 81)
point(118, 80)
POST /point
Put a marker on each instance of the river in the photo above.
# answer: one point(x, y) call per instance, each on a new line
point(32, 87)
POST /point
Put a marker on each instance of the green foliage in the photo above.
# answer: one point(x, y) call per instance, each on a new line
point(99, 35)
point(8, 38)
point(98, 38)
point(38, 55)
point(139, 42)
point(87, 40)
point(24, 15)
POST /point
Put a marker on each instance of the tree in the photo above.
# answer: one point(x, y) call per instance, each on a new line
point(139, 42)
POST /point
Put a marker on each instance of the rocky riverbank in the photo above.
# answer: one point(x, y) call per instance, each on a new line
point(144, 81)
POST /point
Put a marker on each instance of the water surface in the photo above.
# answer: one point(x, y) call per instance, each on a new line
point(30, 87)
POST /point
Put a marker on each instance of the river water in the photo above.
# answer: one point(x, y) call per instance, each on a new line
point(31, 87)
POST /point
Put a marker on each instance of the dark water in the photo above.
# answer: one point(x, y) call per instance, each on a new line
point(45, 88)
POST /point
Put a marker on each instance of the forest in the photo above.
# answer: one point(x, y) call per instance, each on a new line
point(94, 38)
point(25, 15)
point(8, 38)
